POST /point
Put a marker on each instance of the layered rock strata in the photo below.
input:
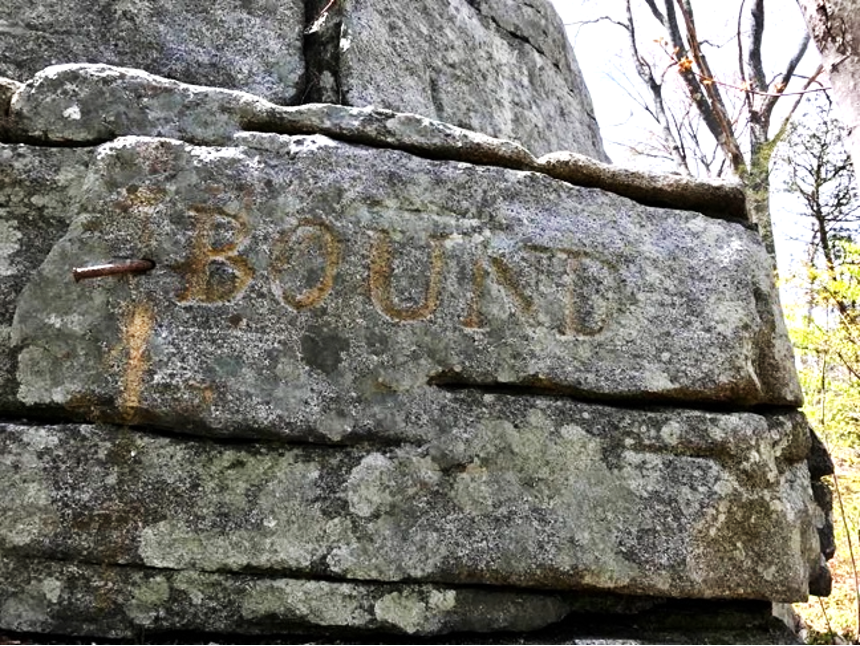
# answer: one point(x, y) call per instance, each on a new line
point(384, 374)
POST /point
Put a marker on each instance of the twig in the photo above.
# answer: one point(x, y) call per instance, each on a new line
point(317, 24)
point(685, 64)
point(327, 7)
point(839, 496)
point(826, 618)
point(827, 621)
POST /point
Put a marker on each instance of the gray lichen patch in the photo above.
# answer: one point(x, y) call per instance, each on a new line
point(147, 601)
point(409, 611)
point(10, 239)
point(531, 492)
point(27, 512)
point(81, 599)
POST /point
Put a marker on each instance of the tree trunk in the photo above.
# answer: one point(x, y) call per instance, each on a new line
point(756, 178)
point(758, 206)
point(835, 26)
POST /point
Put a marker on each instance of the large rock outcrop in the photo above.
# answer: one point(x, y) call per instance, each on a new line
point(376, 372)
point(252, 45)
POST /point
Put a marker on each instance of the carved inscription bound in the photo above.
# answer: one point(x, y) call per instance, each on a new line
point(381, 274)
point(407, 278)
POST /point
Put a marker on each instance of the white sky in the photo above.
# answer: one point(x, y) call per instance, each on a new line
point(603, 54)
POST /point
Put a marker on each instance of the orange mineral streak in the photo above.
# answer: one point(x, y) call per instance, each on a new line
point(137, 326)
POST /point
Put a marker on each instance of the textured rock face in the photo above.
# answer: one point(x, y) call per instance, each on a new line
point(252, 45)
point(503, 67)
point(459, 389)
point(359, 276)
point(89, 104)
point(38, 187)
point(521, 491)
point(50, 597)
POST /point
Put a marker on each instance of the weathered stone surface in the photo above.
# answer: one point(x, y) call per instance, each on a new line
point(502, 67)
point(306, 288)
point(95, 103)
point(251, 45)
point(109, 601)
point(644, 621)
point(424, 317)
point(90, 104)
point(523, 491)
point(38, 187)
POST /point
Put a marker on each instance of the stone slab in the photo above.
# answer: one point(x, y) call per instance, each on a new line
point(520, 491)
point(251, 45)
point(56, 599)
point(502, 67)
point(47, 596)
point(306, 288)
point(91, 104)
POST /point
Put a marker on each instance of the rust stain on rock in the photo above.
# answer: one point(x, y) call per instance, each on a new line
point(201, 285)
point(137, 326)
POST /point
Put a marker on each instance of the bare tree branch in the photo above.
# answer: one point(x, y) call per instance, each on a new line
point(697, 95)
point(635, 97)
point(582, 23)
point(771, 100)
point(754, 59)
point(745, 84)
point(717, 107)
point(783, 128)
point(646, 73)
point(655, 10)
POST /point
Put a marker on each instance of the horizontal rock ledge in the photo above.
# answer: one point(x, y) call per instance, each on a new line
point(67, 596)
point(90, 104)
point(303, 285)
point(525, 493)
point(123, 602)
